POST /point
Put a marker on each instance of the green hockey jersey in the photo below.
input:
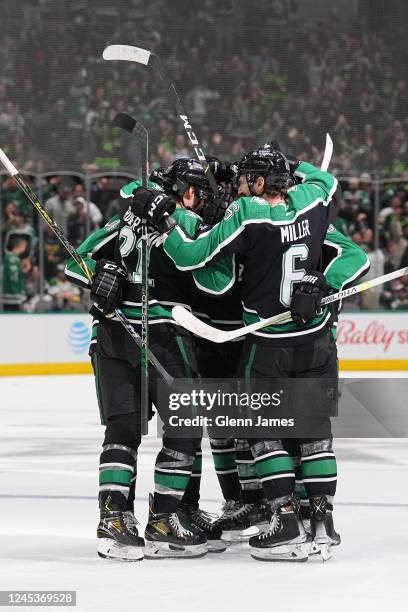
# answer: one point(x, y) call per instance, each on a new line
point(275, 246)
point(14, 292)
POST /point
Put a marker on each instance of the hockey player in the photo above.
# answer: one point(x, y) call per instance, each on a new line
point(116, 361)
point(215, 362)
point(243, 507)
point(278, 233)
point(243, 503)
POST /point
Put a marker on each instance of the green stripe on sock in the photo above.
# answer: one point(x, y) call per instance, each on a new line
point(274, 465)
point(325, 467)
point(224, 461)
point(115, 476)
point(171, 481)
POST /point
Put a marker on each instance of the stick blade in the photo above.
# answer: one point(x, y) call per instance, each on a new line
point(328, 152)
point(127, 54)
point(124, 122)
point(11, 169)
point(185, 318)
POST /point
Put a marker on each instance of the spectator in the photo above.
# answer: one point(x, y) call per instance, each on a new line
point(60, 206)
point(65, 296)
point(90, 208)
point(14, 291)
point(12, 193)
point(102, 194)
point(180, 148)
point(78, 225)
point(20, 227)
point(54, 253)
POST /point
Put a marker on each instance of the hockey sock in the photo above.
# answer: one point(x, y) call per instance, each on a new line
point(224, 458)
point(192, 493)
point(119, 455)
point(171, 477)
point(319, 468)
point(116, 469)
point(251, 487)
point(274, 468)
point(300, 489)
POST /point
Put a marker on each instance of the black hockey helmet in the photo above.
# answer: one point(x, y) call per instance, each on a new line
point(180, 175)
point(269, 163)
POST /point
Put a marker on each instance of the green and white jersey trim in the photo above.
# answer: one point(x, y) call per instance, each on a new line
point(219, 280)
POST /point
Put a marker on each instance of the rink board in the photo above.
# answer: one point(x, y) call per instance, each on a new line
point(58, 343)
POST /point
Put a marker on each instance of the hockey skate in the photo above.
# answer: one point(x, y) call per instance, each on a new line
point(283, 541)
point(172, 536)
point(117, 532)
point(322, 526)
point(239, 521)
point(203, 521)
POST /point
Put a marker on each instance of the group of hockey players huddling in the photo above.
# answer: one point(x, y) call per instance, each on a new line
point(262, 245)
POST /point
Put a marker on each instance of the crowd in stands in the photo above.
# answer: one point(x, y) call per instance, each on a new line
point(383, 236)
point(58, 98)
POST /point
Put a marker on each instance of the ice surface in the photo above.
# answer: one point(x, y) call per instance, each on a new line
point(50, 440)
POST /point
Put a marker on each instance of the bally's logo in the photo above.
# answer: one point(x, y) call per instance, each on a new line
point(79, 337)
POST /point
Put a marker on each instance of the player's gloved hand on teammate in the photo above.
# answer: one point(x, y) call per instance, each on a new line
point(307, 297)
point(156, 207)
point(107, 285)
point(293, 162)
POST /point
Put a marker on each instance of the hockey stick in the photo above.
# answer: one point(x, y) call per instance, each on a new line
point(130, 125)
point(328, 152)
point(195, 325)
point(12, 170)
point(128, 53)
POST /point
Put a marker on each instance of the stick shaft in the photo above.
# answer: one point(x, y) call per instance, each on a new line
point(144, 372)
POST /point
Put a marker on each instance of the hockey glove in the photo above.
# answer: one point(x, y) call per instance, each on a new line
point(307, 297)
point(107, 285)
point(156, 207)
point(293, 162)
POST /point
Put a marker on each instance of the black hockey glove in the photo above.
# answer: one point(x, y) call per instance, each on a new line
point(293, 162)
point(107, 285)
point(156, 207)
point(307, 297)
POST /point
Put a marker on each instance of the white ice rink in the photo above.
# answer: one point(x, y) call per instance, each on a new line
point(50, 441)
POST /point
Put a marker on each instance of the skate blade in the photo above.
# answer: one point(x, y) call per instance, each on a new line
point(163, 550)
point(285, 552)
point(324, 551)
point(313, 548)
point(108, 549)
point(216, 546)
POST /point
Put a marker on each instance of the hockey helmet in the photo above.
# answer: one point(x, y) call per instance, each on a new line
point(269, 163)
point(180, 175)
